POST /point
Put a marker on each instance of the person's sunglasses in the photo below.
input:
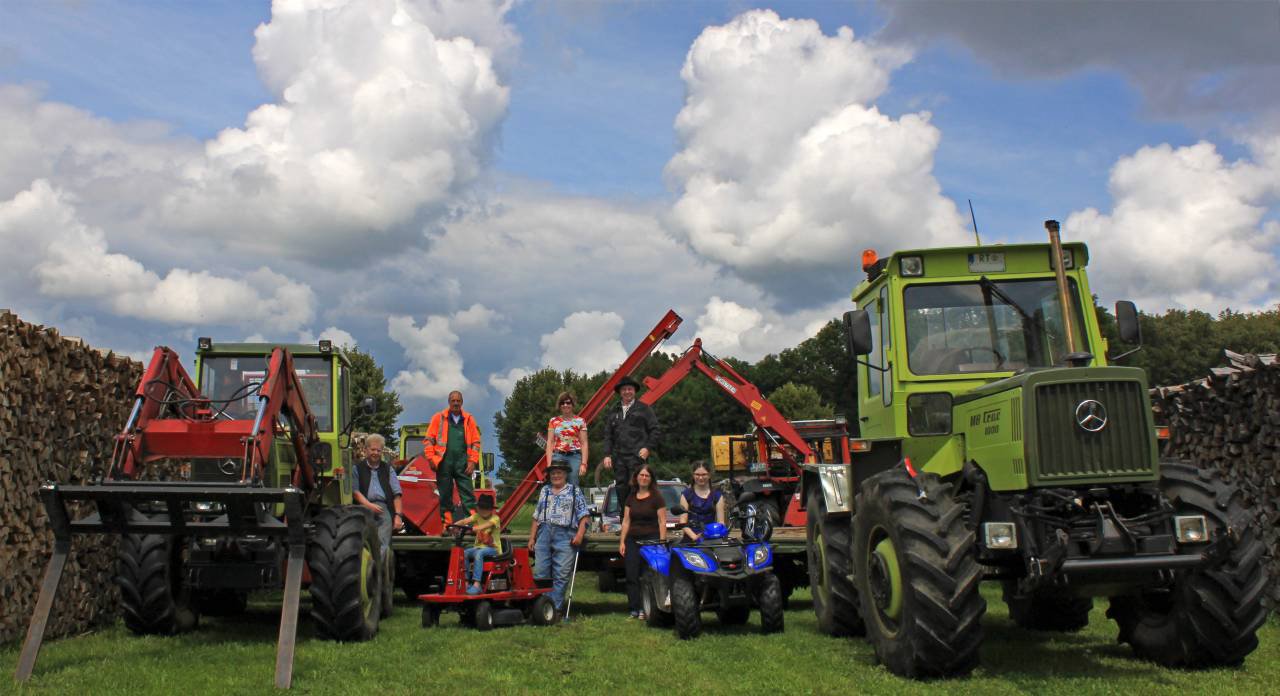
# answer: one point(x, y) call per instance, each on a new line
point(562, 403)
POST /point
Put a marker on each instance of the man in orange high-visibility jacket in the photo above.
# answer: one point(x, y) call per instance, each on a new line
point(452, 447)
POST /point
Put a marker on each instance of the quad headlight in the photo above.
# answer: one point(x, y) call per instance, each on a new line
point(759, 556)
point(1000, 535)
point(696, 561)
point(1190, 529)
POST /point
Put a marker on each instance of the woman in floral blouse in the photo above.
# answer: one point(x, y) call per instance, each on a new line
point(567, 438)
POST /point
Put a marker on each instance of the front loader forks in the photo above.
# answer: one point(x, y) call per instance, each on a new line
point(116, 513)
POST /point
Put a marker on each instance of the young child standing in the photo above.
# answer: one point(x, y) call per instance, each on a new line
point(488, 530)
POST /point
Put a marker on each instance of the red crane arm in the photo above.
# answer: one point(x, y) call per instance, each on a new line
point(661, 332)
point(767, 418)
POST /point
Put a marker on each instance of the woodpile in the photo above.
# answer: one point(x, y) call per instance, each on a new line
point(61, 404)
point(1230, 421)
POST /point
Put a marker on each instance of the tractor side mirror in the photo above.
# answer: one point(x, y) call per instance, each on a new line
point(857, 332)
point(1127, 322)
point(368, 407)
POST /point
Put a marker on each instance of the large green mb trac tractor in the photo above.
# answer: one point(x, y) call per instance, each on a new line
point(995, 442)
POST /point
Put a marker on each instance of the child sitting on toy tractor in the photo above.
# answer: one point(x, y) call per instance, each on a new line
point(487, 527)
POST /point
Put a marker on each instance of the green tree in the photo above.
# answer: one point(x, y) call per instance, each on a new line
point(821, 362)
point(369, 380)
point(799, 402)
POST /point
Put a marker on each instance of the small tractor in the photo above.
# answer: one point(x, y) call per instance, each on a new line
point(996, 441)
point(262, 438)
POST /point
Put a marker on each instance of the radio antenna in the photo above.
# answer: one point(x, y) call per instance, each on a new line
point(975, 222)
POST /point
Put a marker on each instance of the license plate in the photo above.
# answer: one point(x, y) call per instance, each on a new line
point(986, 262)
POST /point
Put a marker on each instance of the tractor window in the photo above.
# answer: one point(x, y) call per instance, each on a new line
point(235, 380)
point(986, 326)
point(414, 446)
point(886, 335)
point(876, 357)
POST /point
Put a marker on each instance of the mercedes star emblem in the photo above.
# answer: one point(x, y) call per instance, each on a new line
point(1091, 416)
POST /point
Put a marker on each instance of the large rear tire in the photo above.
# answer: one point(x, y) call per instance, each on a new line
point(1047, 611)
point(835, 601)
point(153, 599)
point(346, 574)
point(918, 577)
point(770, 601)
point(685, 608)
point(1210, 617)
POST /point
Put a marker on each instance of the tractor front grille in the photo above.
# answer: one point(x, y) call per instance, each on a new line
point(1066, 452)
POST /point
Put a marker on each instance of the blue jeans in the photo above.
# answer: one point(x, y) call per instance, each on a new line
point(476, 556)
point(383, 520)
point(553, 558)
point(573, 460)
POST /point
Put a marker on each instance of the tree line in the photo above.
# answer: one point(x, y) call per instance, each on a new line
point(815, 379)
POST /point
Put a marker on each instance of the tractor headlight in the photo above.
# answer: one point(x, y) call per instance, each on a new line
point(911, 266)
point(759, 556)
point(1190, 529)
point(1000, 535)
point(695, 561)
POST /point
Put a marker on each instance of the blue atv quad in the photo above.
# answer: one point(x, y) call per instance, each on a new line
point(716, 573)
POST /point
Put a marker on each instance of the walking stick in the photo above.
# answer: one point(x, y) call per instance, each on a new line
point(568, 601)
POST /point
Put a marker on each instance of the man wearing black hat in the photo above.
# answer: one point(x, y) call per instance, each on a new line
point(630, 434)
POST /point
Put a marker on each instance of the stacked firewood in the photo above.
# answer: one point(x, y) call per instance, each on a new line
point(61, 404)
point(1230, 421)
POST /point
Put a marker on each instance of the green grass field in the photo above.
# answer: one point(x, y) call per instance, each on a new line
point(603, 651)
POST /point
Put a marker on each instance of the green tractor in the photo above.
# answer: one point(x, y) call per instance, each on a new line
point(995, 442)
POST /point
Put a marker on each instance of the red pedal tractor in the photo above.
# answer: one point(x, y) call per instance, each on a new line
point(508, 594)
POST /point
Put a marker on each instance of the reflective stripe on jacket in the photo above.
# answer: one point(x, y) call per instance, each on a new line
point(438, 438)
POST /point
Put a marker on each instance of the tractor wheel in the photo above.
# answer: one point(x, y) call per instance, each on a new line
point(346, 575)
point(222, 602)
point(606, 581)
point(388, 583)
point(654, 615)
point(484, 616)
point(543, 612)
point(835, 601)
point(685, 608)
point(734, 616)
point(1209, 618)
point(770, 601)
point(153, 599)
point(1047, 611)
point(430, 615)
point(918, 577)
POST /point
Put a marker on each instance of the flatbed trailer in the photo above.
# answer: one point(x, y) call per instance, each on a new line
point(423, 557)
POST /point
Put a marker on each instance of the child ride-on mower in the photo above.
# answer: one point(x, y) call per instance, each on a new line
point(716, 572)
point(508, 596)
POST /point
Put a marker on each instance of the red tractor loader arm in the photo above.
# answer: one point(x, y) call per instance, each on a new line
point(171, 419)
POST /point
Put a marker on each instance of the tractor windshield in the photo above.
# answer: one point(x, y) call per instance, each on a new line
point(235, 380)
point(414, 445)
point(987, 326)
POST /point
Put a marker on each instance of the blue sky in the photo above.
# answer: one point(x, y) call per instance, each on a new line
point(565, 153)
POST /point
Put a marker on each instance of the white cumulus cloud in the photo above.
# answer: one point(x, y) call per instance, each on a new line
point(51, 250)
point(787, 168)
point(1187, 229)
point(728, 328)
point(378, 117)
point(587, 342)
point(435, 365)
